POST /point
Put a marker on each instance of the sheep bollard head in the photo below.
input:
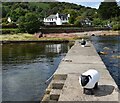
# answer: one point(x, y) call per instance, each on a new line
point(85, 79)
point(83, 43)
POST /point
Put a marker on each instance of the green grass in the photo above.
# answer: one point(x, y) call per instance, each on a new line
point(25, 36)
point(9, 29)
point(16, 37)
point(42, 5)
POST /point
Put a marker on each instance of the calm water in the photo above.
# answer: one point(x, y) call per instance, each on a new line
point(27, 66)
point(110, 45)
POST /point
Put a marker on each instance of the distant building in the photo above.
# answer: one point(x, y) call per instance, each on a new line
point(9, 20)
point(57, 19)
point(86, 21)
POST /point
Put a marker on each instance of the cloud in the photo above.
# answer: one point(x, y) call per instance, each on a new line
point(77, 1)
point(87, 3)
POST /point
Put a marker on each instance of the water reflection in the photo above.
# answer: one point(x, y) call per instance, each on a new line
point(56, 48)
point(26, 67)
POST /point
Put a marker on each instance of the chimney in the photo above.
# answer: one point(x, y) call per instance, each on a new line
point(57, 15)
point(68, 15)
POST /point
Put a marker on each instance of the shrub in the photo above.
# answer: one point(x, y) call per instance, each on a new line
point(10, 31)
point(9, 25)
point(116, 27)
point(4, 20)
point(29, 23)
point(78, 23)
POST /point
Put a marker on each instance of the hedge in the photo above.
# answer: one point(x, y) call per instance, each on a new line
point(116, 27)
point(10, 31)
point(57, 26)
point(69, 30)
point(10, 25)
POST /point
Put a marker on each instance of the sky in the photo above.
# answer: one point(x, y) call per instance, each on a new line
point(87, 3)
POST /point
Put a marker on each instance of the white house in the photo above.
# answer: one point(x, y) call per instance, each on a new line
point(57, 19)
point(9, 19)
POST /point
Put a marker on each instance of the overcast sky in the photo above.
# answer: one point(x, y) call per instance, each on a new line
point(89, 3)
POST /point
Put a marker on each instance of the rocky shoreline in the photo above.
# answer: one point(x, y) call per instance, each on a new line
point(54, 36)
point(81, 34)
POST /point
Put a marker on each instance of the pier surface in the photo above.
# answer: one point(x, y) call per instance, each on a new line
point(65, 84)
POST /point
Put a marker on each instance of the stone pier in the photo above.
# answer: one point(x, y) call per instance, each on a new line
point(65, 83)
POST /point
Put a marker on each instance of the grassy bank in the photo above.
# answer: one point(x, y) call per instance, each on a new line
point(27, 37)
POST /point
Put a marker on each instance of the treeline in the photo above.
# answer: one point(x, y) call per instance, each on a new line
point(28, 16)
point(16, 10)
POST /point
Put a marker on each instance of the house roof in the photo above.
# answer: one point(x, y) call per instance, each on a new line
point(63, 15)
point(51, 17)
point(60, 16)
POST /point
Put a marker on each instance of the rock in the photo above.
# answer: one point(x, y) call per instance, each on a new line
point(38, 35)
point(116, 56)
point(106, 48)
point(102, 53)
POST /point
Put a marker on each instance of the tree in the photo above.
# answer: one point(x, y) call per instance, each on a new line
point(97, 22)
point(78, 20)
point(108, 9)
point(73, 15)
point(29, 23)
point(16, 13)
point(88, 13)
point(4, 13)
point(5, 10)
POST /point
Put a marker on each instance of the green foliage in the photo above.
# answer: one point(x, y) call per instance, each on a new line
point(41, 5)
point(89, 13)
point(77, 23)
point(10, 31)
point(97, 22)
point(108, 10)
point(9, 25)
point(116, 27)
point(71, 20)
point(15, 10)
point(78, 20)
point(4, 20)
point(29, 23)
point(21, 22)
point(73, 14)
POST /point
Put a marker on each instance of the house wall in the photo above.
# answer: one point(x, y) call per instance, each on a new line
point(58, 21)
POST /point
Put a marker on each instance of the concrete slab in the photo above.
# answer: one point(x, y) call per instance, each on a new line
point(72, 91)
point(54, 94)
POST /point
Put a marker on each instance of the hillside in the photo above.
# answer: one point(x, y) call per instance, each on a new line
point(43, 9)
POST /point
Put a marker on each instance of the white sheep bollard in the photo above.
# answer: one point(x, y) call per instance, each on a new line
point(83, 43)
point(89, 80)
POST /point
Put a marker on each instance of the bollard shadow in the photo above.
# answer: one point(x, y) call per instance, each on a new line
point(87, 46)
point(104, 90)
